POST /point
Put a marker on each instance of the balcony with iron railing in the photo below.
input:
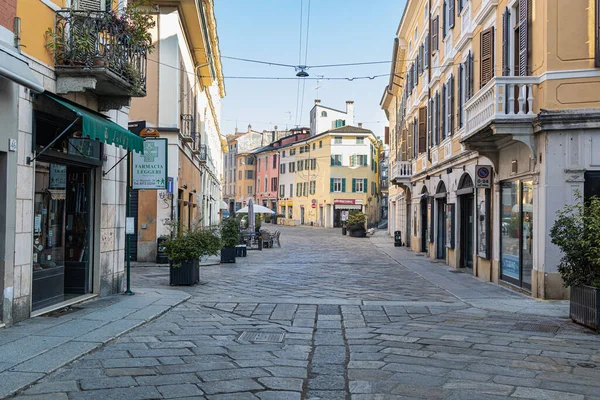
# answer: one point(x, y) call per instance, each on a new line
point(94, 51)
point(401, 172)
point(505, 98)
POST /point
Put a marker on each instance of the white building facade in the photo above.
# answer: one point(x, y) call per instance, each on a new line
point(325, 118)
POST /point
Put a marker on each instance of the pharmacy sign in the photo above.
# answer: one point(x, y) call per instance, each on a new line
point(149, 170)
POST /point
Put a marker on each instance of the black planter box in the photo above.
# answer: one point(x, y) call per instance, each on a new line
point(585, 306)
point(241, 250)
point(358, 233)
point(186, 273)
point(228, 254)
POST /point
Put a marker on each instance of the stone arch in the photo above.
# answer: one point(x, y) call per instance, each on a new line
point(465, 182)
point(441, 188)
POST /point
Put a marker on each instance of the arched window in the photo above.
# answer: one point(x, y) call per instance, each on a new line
point(323, 113)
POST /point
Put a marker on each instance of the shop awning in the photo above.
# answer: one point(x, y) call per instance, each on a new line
point(97, 127)
point(15, 67)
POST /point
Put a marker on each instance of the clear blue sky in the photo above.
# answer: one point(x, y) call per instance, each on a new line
point(341, 31)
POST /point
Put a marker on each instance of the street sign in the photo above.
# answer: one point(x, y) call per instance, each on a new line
point(149, 170)
point(313, 205)
point(483, 176)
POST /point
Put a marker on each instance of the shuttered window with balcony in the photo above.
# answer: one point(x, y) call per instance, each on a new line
point(506, 42)
point(435, 34)
point(523, 37)
point(487, 56)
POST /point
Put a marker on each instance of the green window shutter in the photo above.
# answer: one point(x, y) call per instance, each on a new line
point(344, 185)
point(332, 161)
point(365, 185)
point(331, 184)
point(353, 185)
point(365, 160)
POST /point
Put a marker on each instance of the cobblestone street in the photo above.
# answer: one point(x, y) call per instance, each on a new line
point(333, 317)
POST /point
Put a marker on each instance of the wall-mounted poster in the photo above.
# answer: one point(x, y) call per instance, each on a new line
point(483, 223)
point(450, 226)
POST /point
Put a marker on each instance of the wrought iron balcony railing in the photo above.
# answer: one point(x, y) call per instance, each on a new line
point(96, 43)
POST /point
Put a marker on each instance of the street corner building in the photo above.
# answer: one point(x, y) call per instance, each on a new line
point(68, 74)
point(494, 120)
point(183, 106)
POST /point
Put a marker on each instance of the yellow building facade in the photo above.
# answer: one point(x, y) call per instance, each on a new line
point(334, 172)
point(492, 130)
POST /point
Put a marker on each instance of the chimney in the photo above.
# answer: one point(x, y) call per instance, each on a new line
point(249, 127)
point(360, 124)
point(350, 112)
point(317, 102)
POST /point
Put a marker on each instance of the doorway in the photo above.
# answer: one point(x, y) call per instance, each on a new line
point(440, 237)
point(62, 233)
point(466, 196)
point(466, 230)
point(424, 204)
point(321, 220)
point(301, 215)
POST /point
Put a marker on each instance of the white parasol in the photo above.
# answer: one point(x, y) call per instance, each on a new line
point(256, 209)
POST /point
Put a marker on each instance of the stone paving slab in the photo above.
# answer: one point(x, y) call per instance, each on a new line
point(35, 348)
point(373, 323)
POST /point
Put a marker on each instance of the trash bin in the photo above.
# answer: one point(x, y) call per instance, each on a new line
point(161, 257)
point(397, 238)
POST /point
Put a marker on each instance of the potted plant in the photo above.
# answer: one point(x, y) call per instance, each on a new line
point(230, 236)
point(184, 255)
point(356, 224)
point(576, 232)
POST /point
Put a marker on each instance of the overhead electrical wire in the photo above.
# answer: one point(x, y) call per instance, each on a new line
point(305, 60)
point(299, 61)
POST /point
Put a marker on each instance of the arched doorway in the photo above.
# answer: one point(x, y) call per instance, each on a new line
point(466, 199)
point(424, 221)
point(440, 200)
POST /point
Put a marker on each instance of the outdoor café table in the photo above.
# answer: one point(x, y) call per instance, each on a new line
point(252, 240)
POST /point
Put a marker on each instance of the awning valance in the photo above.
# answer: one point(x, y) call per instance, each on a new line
point(15, 67)
point(97, 127)
point(348, 207)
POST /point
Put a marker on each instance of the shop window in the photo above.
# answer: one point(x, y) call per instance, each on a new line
point(517, 233)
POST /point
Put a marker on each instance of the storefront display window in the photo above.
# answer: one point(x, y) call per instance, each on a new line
point(517, 232)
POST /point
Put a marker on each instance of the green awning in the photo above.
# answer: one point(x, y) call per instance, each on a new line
point(95, 126)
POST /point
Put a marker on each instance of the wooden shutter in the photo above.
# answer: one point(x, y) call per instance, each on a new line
point(421, 57)
point(422, 129)
point(471, 65)
point(353, 185)
point(461, 72)
point(404, 145)
point(487, 56)
point(365, 185)
point(506, 42)
point(330, 185)
point(451, 106)
point(443, 114)
point(451, 14)
point(467, 78)
point(523, 37)
point(444, 19)
point(409, 142)
point(88, 5)
point(344, 185)
point(416, 70)
point(386, 135)
point(426, 52)
point(430, 122)
point(597, 33)
point(435, 34)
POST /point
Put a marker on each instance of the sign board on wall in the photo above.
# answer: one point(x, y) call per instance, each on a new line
point(483, 176)
point(344, 201)
point(149, 170)
point(483, 223)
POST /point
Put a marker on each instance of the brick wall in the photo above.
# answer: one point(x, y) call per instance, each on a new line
point(8, 11)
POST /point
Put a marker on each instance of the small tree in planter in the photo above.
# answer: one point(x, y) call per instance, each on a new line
point(230, 236)
point(356, 224)
point(184, 254)
point(576, 232)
